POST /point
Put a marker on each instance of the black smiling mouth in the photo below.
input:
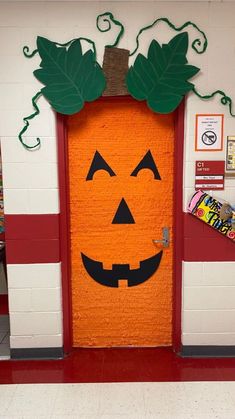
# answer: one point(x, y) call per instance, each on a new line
point(110, 277)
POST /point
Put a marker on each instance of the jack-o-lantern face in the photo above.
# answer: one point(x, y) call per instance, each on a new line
point(123, 215)
point(121, 181)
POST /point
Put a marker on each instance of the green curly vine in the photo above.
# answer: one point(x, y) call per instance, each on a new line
point(116, 22)
point(225, 100)
point(27, 52)
point(196, 43)
point(26, 121)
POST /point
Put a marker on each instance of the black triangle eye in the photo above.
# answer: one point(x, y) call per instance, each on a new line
point(98, 163)
point(147, 162)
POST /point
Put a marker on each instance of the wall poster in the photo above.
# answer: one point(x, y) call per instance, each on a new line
point(230, 155)
point(209, 132)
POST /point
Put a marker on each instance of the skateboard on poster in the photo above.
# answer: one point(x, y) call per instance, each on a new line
point(214, 213)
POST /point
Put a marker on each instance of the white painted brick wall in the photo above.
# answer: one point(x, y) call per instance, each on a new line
point(34, 300)
point(36, 341)
point(208, 303)
point(30, 178)
point(35, 323)
point(37, 275)
point(35, 296)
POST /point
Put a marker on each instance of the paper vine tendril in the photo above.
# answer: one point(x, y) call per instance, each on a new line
point(107, 17)
point(225, 100)
point(27, 52)
point(26, 121)
point(195, 44)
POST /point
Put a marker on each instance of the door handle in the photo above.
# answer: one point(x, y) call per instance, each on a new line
point(165, 237)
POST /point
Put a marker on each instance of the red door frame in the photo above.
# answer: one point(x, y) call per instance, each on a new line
point(63, 171)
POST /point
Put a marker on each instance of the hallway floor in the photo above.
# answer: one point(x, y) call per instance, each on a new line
point(118, 365)
point(119, 384)
point(176, 400)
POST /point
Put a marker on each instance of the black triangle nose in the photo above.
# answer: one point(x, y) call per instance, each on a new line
point(123, 214)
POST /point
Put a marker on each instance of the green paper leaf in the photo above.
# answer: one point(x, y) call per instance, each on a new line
point(135, 86)
point(179, 43)
point(161, 78)
point(163, 102)
point(70, 77)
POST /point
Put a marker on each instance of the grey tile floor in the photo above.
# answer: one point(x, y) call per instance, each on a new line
point(4, 337)
point(167, 400)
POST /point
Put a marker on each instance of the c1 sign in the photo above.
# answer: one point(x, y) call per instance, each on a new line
point(209, 175)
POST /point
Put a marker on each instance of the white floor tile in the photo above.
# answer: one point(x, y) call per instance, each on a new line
point(77, 399)
point(190, 400)
point(122, 399)
point(25, 416)
point(73, 417)
point(127, 416)
point(187, 400)
point(6, 395)
point(33, 400)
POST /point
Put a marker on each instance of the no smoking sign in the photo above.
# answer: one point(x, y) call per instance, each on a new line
point(209, 138)
point(209, 132)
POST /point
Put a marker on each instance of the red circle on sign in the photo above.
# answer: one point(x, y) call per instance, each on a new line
point(231, 234)
point(200, 212)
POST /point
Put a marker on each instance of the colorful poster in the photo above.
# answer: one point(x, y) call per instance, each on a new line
point(207, 209)
point(230, 158)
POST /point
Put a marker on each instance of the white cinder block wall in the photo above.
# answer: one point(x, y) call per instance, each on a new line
point(208, 303)
point(35, 305)
point(30, 178)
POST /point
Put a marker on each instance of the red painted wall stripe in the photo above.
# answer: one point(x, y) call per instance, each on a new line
point(204, 244)
point(32, 238)
point(28, 227)
point(33, 251)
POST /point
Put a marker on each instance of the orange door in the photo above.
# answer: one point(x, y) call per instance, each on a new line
point(121, 188)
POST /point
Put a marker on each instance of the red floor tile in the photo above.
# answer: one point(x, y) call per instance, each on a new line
point(118, 365)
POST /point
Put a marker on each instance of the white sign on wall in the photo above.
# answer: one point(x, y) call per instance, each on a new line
point(209, 132)
point(230, 154)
